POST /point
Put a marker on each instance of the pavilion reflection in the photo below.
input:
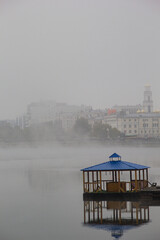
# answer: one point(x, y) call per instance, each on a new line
point(115, 216)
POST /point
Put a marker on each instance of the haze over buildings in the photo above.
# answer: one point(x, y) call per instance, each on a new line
point(96, 53)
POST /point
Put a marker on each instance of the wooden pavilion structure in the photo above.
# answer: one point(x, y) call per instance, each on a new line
point(107, 176)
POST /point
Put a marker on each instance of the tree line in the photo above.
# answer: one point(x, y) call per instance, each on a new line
point(53, 131)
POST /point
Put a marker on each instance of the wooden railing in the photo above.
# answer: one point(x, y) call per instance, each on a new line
point(110, 186)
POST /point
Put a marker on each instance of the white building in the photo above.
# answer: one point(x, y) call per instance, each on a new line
point(143, 124)
point(50, 111)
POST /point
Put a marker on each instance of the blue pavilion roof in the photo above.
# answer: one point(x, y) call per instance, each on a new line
point(115, 155)
point(115, 165)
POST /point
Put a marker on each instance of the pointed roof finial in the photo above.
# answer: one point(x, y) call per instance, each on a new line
point(115, 156)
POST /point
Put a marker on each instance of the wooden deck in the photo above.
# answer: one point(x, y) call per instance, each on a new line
point(148, 194)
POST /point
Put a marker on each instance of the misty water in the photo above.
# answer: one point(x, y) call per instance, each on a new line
point(41, 194)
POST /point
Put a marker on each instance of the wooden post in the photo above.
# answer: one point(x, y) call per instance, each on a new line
point(83, 181)
point(93, 180)
point(118, 181)
point(147, 176)
point(113, 176)
point(88, 180)
point(143, 178)
point(131, 179)
point(140, 179)
point(100, 180)
point(136, 180)
point(97, 178)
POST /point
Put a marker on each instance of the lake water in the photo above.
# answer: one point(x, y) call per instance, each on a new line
point(41, 194)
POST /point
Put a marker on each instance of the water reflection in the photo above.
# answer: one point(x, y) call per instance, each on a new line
point(115, 216)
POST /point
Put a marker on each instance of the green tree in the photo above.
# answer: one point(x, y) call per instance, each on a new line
point(82, 126)
point(104, 131)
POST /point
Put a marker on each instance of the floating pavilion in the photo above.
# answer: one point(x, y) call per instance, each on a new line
point(106, 177)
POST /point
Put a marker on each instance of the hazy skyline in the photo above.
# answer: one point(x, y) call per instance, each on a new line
point(97, 53)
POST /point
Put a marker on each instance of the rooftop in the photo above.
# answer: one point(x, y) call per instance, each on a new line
point(115, 164)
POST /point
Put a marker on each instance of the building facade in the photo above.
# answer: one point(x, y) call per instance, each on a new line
point(136, 121)
point(50, 111)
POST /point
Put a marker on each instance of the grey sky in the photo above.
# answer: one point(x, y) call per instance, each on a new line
point(91, 52)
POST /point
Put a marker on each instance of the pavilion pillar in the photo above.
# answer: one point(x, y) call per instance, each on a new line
point(83, 181)
point(147, 176)
point(136, 180)
point(100, 179)
point(118, 181)
point(140, 179)
point(93, 180)
point(143, 179)
point(131, 179)
point(88, 180)
point(113, 176)
point(97, 178)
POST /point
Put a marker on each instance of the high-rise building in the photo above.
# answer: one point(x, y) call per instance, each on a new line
point(147, 102)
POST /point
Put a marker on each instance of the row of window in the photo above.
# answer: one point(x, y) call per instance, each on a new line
point(144, 125)
point(135, 131)
point(130, 126)
point(144, 120)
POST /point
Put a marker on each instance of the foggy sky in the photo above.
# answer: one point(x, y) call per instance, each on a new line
point(97, 53)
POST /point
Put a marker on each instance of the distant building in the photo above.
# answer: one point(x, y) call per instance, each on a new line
point(126, 109)
point(136, 121)
point(141, 125)
point(50, 111)
point(21, 121)
point(147, 102)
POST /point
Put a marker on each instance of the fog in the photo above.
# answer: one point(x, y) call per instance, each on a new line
point(97, 53)
point(42, 194)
